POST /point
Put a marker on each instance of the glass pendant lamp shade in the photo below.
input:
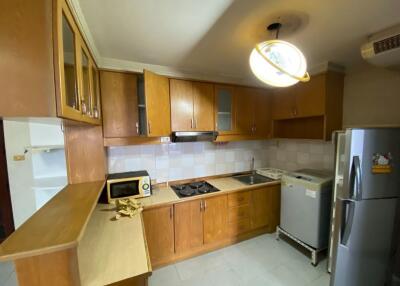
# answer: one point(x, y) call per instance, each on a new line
point(278, 63)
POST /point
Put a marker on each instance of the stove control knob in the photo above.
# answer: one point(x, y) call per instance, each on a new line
point(145, 186)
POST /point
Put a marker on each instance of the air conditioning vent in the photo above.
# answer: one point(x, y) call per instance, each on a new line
point(387, 44)
point(383, 48)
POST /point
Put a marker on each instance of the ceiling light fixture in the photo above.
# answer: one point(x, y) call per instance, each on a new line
point(278, 63)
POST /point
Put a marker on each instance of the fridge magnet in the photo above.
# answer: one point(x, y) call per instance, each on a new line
point(381, 163)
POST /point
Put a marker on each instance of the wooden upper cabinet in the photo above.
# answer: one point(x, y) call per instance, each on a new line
point(45, 64)
point(27, 69)
point(310, 97)
point(192, 105)
point(262, 113)
point(120, 104)
point(188, 226)
point(203, 106)
point(159, 228)
point(215, 219)
point(76, 90)
point(157, 101)
point(225, 109)
point(301, 100)
point(68, 62)
point(245, 110)
point(283, 103)
point(181, 92)
point(316, 106)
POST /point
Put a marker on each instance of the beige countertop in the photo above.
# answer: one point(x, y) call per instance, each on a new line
point(67, 212)
point(112, 250)
point(161, 195)
point(165, 194)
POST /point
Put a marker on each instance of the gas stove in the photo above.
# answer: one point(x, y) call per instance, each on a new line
point(194, 189)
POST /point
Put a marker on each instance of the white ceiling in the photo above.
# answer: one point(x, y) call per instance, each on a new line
point(216, 36)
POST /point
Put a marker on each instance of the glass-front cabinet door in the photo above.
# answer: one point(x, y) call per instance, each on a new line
point(225, 111)
point(95, 107)
point(69, 78)
point(86, 100)
point(78, 84)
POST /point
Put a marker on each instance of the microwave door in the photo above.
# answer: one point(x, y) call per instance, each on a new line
point(124, 189)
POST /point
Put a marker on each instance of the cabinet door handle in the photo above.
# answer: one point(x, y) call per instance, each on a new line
point(195, 123)
point(191, 123)
point(149, 125)
point(137, 128)
point(76, 95)
point(201, 206)
point(205, 205)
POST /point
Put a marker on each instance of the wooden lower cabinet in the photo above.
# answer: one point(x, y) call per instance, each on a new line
point(239, 213)
point(200, 222)
point(265, 210)
point(215, 219)
point(238, 227)
point(159, 227)
point(188, 226)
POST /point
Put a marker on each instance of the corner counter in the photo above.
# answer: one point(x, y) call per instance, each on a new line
point(73, 241)
point(112, 250)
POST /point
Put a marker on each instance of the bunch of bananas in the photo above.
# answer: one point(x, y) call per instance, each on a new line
point(128, 207)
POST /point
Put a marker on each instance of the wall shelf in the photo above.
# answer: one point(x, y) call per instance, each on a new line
point(44, 148)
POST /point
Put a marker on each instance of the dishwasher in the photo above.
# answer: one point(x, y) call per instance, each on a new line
point(305, 209)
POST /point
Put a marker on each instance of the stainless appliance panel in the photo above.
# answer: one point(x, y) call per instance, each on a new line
point(359, 180)
point(340, 141)
point(364, 240)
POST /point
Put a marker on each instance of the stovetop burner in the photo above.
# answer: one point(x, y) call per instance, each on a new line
point(194, 189)
point(186, 192)
point(197, 185)
point(180, 187)
point(203, 190)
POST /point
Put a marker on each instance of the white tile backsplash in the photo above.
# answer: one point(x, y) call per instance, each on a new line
point(176, 161)
point(300, 154)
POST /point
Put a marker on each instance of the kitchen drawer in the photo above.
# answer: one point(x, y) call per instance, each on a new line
point(239, 227)
point(238, 213)
point(238, 199)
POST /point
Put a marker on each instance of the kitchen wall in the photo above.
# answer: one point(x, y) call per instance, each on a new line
point(300, 154)
point(20, 173)
point(40, 175)
point(371, 96)
point(177, 161)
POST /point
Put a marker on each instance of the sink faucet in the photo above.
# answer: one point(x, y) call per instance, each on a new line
point(252, 165)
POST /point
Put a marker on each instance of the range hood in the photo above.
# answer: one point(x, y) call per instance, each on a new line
point(194, 136)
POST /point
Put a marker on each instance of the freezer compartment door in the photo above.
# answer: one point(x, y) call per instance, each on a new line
point(366, 152)
point(364, 243)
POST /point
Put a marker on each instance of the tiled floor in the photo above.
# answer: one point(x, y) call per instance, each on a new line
point(7, 274)
point(260, 261)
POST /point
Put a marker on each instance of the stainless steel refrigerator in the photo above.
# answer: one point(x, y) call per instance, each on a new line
point(366, 191)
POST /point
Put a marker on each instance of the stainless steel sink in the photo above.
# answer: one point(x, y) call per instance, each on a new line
point(252, 179)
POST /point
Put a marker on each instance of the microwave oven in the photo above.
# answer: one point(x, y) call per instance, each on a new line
point(128, 185)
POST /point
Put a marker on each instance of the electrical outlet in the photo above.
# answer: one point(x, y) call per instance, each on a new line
point(165, 139)
point(19, 158)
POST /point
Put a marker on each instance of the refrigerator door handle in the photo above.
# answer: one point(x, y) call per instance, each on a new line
point(348, 209)
point(355, 179)
point(357, 165)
